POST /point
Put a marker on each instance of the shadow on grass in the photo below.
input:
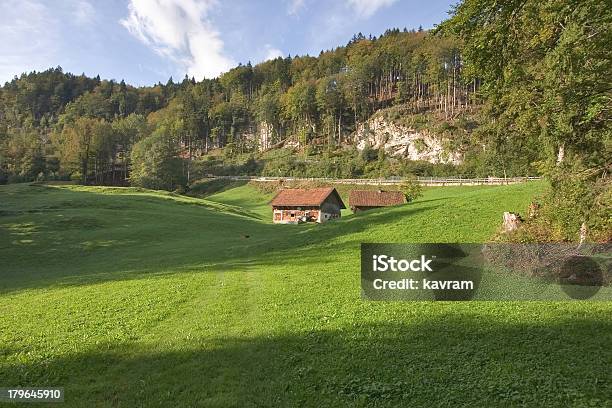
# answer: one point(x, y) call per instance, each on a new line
point(68, 237)
point(446, 360)
point(205, 187)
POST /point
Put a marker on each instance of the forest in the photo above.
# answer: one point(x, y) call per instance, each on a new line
point(55, 124)
point(524, 83)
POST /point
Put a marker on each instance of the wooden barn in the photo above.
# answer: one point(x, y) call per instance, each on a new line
point(294, 205)
point(361, 200)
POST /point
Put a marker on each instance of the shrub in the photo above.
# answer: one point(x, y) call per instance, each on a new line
point(411, 188)
point(579, 195)
point(576, 195)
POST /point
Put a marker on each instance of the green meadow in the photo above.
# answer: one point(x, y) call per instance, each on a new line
point(129, 297)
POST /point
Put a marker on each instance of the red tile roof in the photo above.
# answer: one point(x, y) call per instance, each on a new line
point(296, 197)
point(375, 198)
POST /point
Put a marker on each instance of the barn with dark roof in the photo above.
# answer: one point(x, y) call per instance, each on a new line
point(294, 205)
point(361, 200)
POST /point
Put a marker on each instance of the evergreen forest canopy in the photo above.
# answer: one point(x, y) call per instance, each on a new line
point(523, 86)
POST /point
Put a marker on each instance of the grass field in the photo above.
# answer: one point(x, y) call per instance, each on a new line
point(131, 298)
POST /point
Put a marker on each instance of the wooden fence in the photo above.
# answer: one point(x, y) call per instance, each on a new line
point(425, 181)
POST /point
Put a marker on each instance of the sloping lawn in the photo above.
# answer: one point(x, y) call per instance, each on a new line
point(129, 298)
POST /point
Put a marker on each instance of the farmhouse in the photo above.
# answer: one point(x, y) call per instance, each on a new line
point(361, 200)
point(294, 205)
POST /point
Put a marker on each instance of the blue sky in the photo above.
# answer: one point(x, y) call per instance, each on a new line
point(146, 41)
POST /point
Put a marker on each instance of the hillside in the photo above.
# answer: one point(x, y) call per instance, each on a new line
point(59, 126)
point(167, 302)
point(393, 142)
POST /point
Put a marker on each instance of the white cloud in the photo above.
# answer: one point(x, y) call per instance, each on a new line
point(180, 30)
point(30, 37)
point(342, 19)
point(84, 12)
point(367, 8)
point(295, 6)
point(268, 52)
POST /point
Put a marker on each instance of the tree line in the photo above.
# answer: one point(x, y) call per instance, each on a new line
point(54, 124)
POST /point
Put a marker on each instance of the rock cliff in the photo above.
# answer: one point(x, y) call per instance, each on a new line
point(403, 141)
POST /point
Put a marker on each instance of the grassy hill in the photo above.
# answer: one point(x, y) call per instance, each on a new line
point(130, 297)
